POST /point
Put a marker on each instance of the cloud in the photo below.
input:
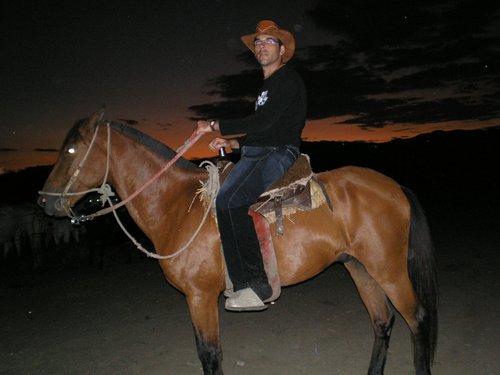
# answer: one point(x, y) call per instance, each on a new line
point(45, 150)
point(164, 125)
point(128, 121)
point(422, 46)
point(388, 62)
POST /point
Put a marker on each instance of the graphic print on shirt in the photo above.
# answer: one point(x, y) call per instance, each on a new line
point(261, 99)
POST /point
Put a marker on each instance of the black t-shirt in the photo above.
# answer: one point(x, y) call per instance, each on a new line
point(280, 113)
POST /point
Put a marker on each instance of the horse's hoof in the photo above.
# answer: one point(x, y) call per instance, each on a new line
point(245, 300)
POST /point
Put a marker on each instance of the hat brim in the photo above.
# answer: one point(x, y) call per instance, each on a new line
point(285, 36)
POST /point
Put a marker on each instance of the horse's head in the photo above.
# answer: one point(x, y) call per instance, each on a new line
point(80, 166)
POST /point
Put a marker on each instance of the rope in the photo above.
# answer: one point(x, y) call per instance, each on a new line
point(105, 189)
point(213, 184)
point(187, 144)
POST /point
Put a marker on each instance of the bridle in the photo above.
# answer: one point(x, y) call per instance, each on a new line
point(106, 192)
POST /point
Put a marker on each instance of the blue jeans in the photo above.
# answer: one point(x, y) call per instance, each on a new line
point(257, 169)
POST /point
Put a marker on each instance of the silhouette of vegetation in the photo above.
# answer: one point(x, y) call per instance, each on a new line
point(23, 185)
point(433, 164)
point(454, 174)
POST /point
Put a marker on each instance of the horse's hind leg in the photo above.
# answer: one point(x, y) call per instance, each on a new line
point(380, 311)
point(205, 318)
point(404, 300)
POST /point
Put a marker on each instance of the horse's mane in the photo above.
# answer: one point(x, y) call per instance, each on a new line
point(74, 133)
point(152, 144)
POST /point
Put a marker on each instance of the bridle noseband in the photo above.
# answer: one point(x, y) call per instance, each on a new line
point(104, 190)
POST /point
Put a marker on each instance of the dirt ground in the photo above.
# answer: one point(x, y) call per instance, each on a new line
point(125, 319)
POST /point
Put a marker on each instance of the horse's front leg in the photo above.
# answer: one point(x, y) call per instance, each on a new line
point(203, 308)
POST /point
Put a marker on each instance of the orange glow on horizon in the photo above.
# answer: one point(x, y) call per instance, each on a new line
point(330, 129)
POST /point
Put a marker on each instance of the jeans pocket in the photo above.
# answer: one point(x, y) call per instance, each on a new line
point(282, 159)
point(293, 151)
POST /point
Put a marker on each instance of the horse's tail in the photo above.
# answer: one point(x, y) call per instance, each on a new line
point(423, 275)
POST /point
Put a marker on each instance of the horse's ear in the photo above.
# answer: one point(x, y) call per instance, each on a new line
point(96, 117)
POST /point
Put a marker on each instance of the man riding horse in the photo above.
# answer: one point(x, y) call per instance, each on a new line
point(268, 148)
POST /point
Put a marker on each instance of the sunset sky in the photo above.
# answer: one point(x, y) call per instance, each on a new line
point(373, 72)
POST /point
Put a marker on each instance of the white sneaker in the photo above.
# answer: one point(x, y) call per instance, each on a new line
point(245, 300)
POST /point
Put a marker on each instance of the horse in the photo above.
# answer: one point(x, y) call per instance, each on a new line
point(20, 230)
point(377, 230)
point(9, 234)
point(61, 231)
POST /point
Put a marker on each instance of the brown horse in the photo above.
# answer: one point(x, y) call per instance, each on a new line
point(377, 230)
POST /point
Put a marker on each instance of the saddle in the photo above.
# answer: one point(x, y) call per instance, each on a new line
point(291, 193)
point(297, 190)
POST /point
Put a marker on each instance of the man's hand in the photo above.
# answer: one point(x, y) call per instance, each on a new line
point(203, 127)
point(217, 143)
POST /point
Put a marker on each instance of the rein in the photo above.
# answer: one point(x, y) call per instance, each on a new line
point(106, 191)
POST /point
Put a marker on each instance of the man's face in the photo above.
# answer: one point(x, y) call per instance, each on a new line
point(267, 51)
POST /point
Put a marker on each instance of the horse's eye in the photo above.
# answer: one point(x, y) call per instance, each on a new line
point(71, 151)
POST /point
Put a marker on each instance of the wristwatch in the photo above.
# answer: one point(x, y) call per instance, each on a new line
point(212, 125)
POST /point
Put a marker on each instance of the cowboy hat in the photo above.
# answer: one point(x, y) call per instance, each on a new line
point(270, 28)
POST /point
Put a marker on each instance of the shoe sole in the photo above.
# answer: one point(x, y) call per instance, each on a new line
point(229, 294)
point(247, 308)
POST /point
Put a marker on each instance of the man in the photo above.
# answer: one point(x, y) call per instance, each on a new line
point(268, 148)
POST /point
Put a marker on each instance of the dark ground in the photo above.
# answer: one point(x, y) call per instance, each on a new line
point(125, 318)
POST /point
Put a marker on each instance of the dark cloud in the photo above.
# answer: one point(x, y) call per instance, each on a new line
point(165, 126)
point(389, 62)
point(128, 121)
point(238, 93)
point(45, 150)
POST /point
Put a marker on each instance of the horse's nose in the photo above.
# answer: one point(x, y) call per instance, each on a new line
point(42, 201)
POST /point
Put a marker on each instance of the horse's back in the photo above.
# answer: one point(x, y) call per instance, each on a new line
point(356, 188)
point(352, 179)
point(373, 210)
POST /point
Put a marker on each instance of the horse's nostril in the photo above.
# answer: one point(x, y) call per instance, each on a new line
point(42, 201)
point(61, 204)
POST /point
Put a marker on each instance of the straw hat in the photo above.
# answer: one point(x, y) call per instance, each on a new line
point(270, 28)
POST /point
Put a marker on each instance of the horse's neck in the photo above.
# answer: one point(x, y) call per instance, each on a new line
point(133, 165)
